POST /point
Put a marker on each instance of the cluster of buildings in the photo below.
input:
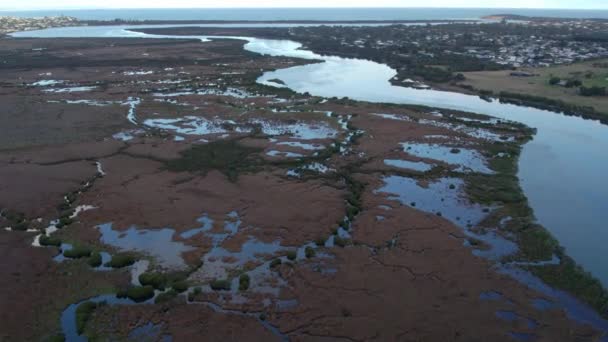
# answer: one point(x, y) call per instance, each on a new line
point(538, 51)
point(14, 24)
point(522, 44)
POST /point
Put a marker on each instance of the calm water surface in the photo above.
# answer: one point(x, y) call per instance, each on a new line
point(562, 171)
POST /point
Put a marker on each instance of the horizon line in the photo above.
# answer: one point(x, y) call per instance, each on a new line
point(295, 7)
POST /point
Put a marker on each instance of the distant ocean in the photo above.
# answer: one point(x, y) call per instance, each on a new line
point(323, 14)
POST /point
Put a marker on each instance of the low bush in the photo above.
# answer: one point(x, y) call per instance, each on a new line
point(192, 295)
point(64, 221)
point(244, 281)
point(593, 91)
point(49, 241)
point(121, 260)
point(95, 259)
point(165, 296)
point(341, 242)
point(309, 252)
point(83, 314)
point(275, 263)
point(220, 285)
point(77, 252)
point(139, 294)
point(155, 279)
point(292, 255)
point(180, 286)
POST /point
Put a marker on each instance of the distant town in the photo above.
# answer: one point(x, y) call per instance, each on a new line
point(535, 42)
point(14, 24)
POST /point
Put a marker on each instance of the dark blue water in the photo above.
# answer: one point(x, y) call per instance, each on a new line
point(328, 14)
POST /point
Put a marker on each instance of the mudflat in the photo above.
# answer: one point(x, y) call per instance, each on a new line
point(134, 165)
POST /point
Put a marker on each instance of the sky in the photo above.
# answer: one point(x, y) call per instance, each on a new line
point(86, 4)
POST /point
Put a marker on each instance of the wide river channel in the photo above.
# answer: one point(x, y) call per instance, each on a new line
point(563, 171)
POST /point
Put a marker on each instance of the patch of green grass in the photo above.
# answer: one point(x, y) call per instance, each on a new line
point(155, 279)
point(570, 277)
point(49, 241)
point(78, 252)
point(137, 294)
point(498, 188)
point(244, 281)
point(95, 259)
point(121, 260)
point(226, 156)
point(536, 244)
point(83, 314)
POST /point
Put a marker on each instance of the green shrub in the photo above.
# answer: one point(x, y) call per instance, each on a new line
point(244, 281)
point(192, 295)
point(95, 259)
point(341, 242)
point(64, 221)
point(21, 226)
point(77, 252)
point(165, 296)
point(49, 241)
point(66, 214)
point(310, 252)
point(220, 285)
point(292, 255)
point(83, 314)
point(121, 260)
point(180, 286)
point(140, 294)
point(155, 279)
point(593, 91)
point(13, 216)
point(320, 241)
point(275, 263)
point(70, 197)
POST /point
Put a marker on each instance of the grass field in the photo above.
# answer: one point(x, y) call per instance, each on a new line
point(592, 73)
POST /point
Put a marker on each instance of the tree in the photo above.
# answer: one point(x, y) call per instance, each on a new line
point(593, 91)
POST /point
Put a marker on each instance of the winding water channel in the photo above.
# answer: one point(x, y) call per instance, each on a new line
point(562, 171)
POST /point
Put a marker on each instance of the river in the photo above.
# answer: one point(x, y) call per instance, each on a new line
point(562, 170)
